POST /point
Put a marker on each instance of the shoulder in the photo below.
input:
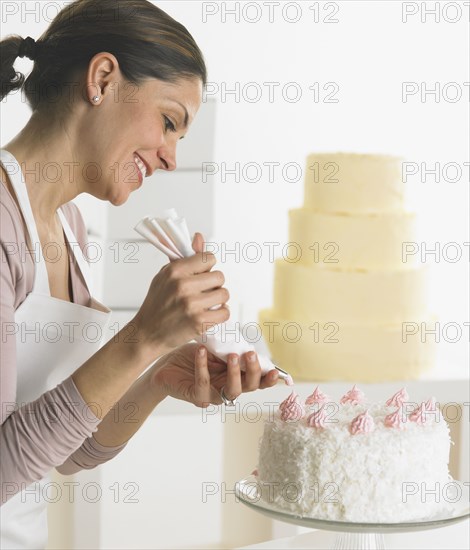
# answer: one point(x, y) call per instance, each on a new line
point(9, 216)
point(12, 238)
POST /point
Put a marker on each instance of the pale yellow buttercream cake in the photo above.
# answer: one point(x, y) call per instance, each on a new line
point(342, 297)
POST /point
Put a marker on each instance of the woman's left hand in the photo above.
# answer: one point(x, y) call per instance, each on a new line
point(185, 374)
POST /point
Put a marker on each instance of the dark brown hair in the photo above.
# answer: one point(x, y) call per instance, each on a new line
point(145, 40)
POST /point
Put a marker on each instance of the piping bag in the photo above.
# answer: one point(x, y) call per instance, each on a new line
point(170, 234)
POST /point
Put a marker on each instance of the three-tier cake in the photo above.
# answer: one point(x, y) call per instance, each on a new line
point(343, 307)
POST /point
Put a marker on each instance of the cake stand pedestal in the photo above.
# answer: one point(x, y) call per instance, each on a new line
point(353, 541)
point(353, 536)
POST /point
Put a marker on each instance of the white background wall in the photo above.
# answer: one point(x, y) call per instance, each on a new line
point(363, 60)
point(367, 55)
point(364, 57)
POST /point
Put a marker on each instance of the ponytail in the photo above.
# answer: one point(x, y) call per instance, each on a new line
point(10, 79)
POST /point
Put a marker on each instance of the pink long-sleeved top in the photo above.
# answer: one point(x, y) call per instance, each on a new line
point(31, 445)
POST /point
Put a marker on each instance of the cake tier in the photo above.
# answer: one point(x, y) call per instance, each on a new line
point(367, 477)
point(358, 241)
point(328, 351)
point(353, 183)
point(311, 293)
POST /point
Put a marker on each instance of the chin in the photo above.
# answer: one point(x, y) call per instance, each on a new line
point(121, 197)
point(119, 200)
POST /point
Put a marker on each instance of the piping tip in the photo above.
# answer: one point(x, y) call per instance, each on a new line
point(284, 375)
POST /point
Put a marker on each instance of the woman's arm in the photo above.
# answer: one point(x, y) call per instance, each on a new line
point(130, 412)
point(117, 427)
point(111, 372)
point(31, 443)
point(184, 374)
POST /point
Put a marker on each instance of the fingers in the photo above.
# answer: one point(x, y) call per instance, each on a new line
point(270, 379)
point(252, 372)
point(235, 381)
point(205, 281)
point(253, 375)
point(214, 317)
point(202, 283)
point(251, 380)
point(233, 384)
point(202, 379)
point(198, 242)
point(199, 262)
point(213, 297)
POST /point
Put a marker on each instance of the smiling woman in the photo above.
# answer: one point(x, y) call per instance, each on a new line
point(127, 83)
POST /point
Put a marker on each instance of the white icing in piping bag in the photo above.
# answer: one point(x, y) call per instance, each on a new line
point(170, 234)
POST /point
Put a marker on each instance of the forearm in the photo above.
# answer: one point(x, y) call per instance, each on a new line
point(106, 376)
point(40, 435)
point(130, 412)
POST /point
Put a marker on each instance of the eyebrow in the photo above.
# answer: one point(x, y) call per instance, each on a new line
point(186, 115)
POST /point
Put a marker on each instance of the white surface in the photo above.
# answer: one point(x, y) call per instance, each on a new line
point(455, 536)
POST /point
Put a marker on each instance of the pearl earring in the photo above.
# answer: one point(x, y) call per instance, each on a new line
point(96, 98)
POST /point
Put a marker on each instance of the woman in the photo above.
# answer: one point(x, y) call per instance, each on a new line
point(112, 81)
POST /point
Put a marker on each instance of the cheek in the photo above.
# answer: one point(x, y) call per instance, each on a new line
point(119, 173)
point(151, 135)
point(145, 130)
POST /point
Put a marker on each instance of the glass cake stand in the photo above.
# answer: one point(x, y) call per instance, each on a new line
point(352, 536)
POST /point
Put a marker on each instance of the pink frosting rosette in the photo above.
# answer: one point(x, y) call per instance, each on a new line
point(317, 418)
point(353, 396)
point(398, 398)
point(291, 408)
point(290, 399)
point(395, 419)
point(430, 405)
point(317, 397)
point(419, 414)
point(362, 424)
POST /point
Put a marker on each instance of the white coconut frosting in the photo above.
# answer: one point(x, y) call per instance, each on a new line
point(354, 460)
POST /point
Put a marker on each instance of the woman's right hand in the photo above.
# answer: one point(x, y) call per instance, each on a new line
point(176, 308)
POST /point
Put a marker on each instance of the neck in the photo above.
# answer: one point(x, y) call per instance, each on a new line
point(44, 152)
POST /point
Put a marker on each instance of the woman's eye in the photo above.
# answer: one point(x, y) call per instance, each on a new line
point(169, 125)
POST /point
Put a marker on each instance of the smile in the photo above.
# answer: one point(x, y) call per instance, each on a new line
point(140, 165)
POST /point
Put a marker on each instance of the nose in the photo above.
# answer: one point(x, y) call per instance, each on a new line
point(167, 157)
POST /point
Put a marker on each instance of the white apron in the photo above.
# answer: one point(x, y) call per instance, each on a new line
point(54, 337)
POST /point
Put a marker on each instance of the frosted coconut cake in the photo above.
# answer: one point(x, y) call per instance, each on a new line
point(354, 460)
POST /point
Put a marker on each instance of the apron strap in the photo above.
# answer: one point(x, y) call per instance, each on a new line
point(79, 256)
point(13, 169)
point(41, 280)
